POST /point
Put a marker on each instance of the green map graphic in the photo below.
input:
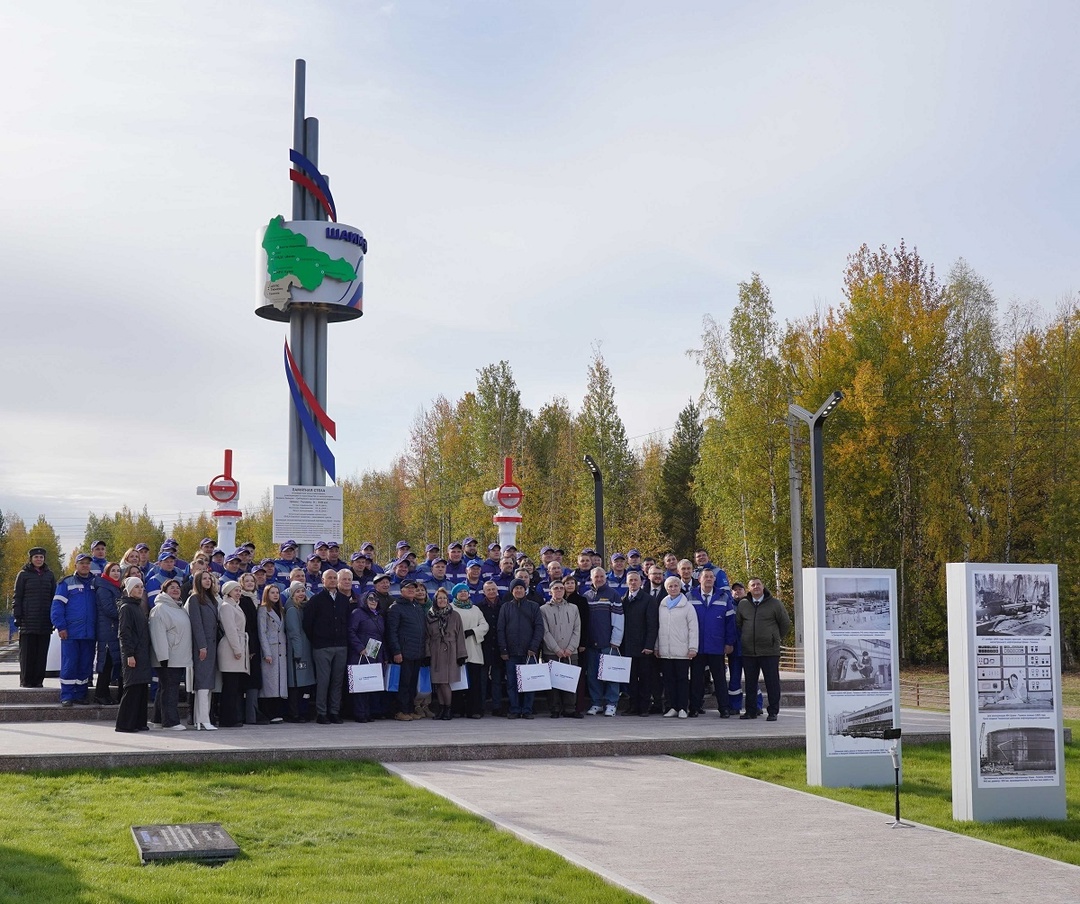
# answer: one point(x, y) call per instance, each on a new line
point(288, 253)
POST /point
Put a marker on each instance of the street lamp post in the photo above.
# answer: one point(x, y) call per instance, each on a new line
point(817, 466)
point(598, 496)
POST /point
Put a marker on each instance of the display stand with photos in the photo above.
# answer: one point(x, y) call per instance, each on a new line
point(1008, 748)
point(852, 691)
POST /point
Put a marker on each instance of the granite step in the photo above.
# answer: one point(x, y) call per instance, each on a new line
point(26, 704)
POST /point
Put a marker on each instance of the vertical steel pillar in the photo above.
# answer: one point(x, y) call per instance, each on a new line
point(795, 487)
point(296, 340)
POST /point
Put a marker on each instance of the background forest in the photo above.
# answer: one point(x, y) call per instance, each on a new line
point(956, 441)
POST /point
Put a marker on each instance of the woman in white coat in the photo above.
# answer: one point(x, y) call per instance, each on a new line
point(476, 628)
point(676, 645)
point(275, 672)
point(232, 656)
point(170, 636)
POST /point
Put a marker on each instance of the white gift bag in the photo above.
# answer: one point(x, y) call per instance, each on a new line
point(535, 676)
point(52, 659)
point(366, 678)
point(564, 677)
point(614, 668)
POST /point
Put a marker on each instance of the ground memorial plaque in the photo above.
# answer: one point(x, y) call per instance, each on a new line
point(205, 841)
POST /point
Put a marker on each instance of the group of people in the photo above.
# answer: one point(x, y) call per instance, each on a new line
point(265, 641)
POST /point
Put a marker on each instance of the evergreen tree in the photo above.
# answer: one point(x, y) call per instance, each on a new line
point(680, 515)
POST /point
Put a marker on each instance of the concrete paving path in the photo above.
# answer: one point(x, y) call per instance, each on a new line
point(675, 831)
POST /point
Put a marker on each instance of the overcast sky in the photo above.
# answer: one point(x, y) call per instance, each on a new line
point(532, 178)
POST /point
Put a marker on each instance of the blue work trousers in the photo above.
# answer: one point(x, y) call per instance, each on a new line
point(76, 668)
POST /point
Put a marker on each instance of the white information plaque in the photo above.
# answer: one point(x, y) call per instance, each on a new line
point(307, 514)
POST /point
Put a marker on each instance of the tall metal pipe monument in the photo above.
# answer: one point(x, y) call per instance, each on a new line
point(310, 274)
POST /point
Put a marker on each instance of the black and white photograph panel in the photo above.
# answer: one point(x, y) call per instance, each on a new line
point(859, 664)
point(1010, 604)
point(857, 603)
point(1016, 753)
point(855, 724)
point(1015, 677)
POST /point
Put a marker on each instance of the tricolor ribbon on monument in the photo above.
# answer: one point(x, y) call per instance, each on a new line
point(307, 405)
point(308, 175)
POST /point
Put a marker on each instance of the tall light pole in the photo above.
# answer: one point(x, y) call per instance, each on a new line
point(598, 497)
point(817, 467)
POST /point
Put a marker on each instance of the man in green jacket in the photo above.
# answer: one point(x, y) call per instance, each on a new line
point(763, 622)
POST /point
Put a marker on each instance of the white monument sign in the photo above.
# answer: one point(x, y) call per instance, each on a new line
point(307, 514)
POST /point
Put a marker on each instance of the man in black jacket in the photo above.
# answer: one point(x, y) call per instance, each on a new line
point(655, 591)
point(642, 621)
point(34, 589)
point(493, 679)
point(521, 631)
point(326, 623)
point(405, 646)
point(764, 623)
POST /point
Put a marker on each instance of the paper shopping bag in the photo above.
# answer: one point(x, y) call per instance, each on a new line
point(393, 676)
point(423, 682)
point(52, 658)
point(614, 668)
point(366, 678)
point(533, 677)
point(564, 677)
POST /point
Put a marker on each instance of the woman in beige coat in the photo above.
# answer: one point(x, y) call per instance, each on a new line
point(676, 645)
point(445, 648)
point(232, 656)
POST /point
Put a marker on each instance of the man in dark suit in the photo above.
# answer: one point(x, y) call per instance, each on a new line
point(326, 623)
point(655, 591)
point(641, 616)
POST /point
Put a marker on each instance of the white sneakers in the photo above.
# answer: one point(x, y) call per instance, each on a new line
point(179, 726)
point(682, 714)
point(593, 711)
point(670, 714)
point(609, 710)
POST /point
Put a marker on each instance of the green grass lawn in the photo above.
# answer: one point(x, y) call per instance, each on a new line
point(926, 794)
point(309, 832)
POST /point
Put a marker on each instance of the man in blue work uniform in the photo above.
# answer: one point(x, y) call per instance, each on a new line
point(74, 615)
